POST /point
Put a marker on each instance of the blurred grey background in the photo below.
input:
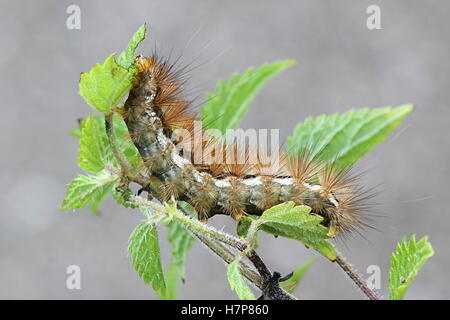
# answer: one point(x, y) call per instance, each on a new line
point(341, 65)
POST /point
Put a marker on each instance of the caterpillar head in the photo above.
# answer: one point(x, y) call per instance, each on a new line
point(147, 86)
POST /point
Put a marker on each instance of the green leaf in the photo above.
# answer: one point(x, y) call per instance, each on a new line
point(291, 284)
point(237, 282)
point(123, 138)
point(125, 143)
point(145, 255)
point(94, 154)
point(126, 58)
point(406, 263)
point(105, 85)
point(94, 151)
point(244, 225)
point(146, 212)
point(181, 241)
point(76, 132)
point(172, 277)
point(86, 189)
point(346, 138)
point(226, 107)
point(296, 222)
point(121, 195)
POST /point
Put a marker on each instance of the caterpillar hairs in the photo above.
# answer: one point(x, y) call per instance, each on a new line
point(155, 111)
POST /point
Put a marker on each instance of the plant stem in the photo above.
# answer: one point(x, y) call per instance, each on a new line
point(260, 266)
point(356, 277)
point(109, 126)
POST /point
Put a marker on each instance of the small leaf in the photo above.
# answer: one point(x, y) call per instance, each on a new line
point(121, 195)
point(406, 263)
point(126, 58)
point(145, 255)
point(291, 284)
point(346, 138)
point(146, 212)
point(244, 225)
point(226, 107)
point(237, 282)
point(76, 132)
point(105, 85)
point(296, 222)
point(125, 143)
point(94, 151)
point(86, 189)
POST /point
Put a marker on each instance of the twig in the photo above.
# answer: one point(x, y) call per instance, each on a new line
point(356, 277)
point(260, 266)
point(225, 254)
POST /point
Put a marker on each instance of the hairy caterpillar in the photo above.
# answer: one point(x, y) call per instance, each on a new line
point(155, 108)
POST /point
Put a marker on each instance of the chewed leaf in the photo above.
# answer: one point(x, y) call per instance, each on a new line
point(406, 263)
point(347, 137)
point(237, 282)
point(145, 255)
point(105, 85)
point(296, 222)
point(226, 107)
point(126, 58)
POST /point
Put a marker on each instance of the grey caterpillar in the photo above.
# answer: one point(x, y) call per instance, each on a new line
point(155, 108)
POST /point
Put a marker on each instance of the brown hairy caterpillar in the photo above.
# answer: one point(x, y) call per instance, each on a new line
point(155, 108)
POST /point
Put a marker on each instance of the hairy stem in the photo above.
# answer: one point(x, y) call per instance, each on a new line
point(356, 277)
point(228, 256)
